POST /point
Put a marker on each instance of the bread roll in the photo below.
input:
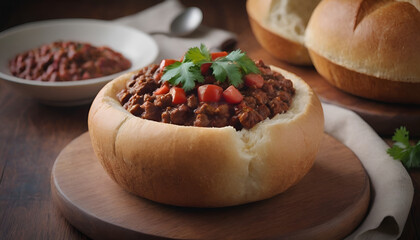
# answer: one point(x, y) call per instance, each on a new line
point(205, 167)
point(279, 26)
point(368, 48)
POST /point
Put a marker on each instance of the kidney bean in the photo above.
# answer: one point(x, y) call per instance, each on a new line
point(67, 61)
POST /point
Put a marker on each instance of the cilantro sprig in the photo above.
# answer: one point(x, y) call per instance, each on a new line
point(186, 73)
point(403, 151)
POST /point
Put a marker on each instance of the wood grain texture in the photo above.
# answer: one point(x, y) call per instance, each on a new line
point(327, 204)
point(32, 135)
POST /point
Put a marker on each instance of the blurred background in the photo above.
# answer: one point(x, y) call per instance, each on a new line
point(15, 12)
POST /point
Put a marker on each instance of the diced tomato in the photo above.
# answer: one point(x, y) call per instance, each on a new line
point(217, 55)
point(254, 80)
point(209, 93)
point(165, 63)
point(232, 95)
point(205, 68)
point(158, 76)
point(162, 90)
point(178, 95)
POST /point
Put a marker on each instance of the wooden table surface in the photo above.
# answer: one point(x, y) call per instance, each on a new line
point(32, 134)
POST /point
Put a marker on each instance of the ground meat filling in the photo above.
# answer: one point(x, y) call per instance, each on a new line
point(274, 97)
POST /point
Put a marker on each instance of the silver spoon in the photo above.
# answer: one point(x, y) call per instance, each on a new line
point(185, 23)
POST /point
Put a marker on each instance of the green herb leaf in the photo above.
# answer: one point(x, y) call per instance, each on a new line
point(403, 151)
point(222, 69)
point(413, 160)
point(243, 61)
point(401, 136)
point(198, 55)
point(184, 74)
point(231, 67)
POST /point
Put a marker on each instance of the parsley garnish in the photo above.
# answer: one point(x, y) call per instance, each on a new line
point(184, 74)
point(403, 151)
point(231, 67)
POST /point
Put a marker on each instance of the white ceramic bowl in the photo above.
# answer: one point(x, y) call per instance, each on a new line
point(135, 45)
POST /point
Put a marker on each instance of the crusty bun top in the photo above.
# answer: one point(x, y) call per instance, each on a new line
point(380, 38)
point(202, 166)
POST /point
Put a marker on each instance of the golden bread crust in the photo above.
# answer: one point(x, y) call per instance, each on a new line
point(366, 86)
point(377, 38)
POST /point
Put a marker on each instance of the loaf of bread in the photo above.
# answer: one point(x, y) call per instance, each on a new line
point(369, 48)
point(279, 26)
point(205, 166)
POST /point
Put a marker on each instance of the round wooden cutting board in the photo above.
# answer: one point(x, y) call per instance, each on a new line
point(329, 203)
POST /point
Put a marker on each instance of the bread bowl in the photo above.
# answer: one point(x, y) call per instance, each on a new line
point(279, 26)
point(205, 166)
point(368, 48)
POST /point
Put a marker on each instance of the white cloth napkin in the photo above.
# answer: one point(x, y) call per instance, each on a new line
point(158, 19)
point(392, 189)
